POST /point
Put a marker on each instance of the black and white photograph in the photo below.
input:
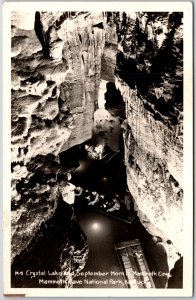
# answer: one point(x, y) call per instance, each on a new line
point(98, 122)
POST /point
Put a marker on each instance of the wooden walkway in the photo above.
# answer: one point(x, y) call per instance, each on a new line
point(134, 265)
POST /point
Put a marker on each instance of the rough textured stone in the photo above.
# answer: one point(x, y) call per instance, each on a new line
point(149, 76)
point(56, 63)
point(106, 129)
point(82, 50)
point(59, 250)
point(108, 62)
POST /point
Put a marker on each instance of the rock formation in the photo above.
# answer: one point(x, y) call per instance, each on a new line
point(56, 63)
point(149, 76)
point(108, 63)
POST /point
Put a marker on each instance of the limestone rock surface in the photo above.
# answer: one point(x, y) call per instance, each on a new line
point(149, 76)
point(56, 63)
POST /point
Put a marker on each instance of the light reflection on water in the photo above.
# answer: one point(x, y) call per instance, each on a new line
point(103, 232)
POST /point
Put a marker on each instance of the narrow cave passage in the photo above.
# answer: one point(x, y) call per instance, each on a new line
point(101, 175)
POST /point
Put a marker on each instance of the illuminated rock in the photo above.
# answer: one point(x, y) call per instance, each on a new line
point(23, 20)
point(67, 191)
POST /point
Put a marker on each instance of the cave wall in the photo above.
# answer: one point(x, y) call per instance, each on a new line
point(150, 79)
point(108, 61)
point(55, 69)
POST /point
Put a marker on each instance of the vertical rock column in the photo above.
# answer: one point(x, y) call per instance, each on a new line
point(79, 42)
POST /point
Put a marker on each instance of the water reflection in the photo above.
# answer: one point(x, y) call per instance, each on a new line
point(103, 232)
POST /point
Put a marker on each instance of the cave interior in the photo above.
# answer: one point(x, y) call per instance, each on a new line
point(99, 89)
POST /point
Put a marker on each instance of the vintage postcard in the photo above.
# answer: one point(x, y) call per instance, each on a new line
point(98, 149)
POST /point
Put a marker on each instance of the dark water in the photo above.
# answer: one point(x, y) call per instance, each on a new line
point(102, 233)
point(108, 176)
